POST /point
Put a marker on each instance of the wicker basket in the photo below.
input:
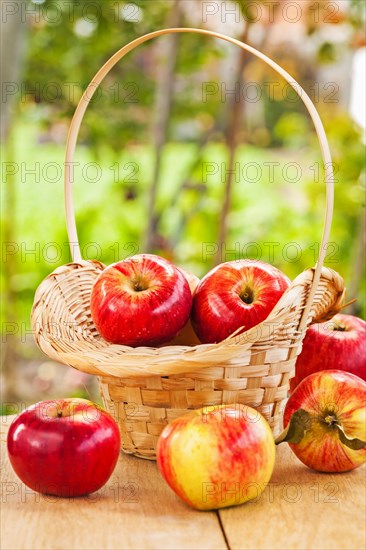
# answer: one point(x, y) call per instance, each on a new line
point(145, 388)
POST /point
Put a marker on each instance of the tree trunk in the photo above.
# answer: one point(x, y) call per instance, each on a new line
point(12, 40)
point(235, 116)
point(358, 264)
point(13, 33)
point(163, 104)
point(10, 331)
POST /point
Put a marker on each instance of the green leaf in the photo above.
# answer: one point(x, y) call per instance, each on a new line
point(300, 423)
point(355, 444)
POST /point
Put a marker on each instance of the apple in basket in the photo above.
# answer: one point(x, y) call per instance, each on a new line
point(325, 420)
point(141, 301)
point(66, 447)
point(235, 294)
point(187, 336)
point(217, 456)
point(336, 344)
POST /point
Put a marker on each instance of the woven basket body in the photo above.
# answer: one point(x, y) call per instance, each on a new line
point(145, 388)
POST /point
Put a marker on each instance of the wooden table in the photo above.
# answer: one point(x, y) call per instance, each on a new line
point(300, 509)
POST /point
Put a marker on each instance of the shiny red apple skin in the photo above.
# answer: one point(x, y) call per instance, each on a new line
point(325, 393)
point(217, 456)
point(141, 301)
point(218, 309)
point(336, 344)
point(70, 455)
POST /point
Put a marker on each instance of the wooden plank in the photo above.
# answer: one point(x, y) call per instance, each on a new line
point(301, 509)
point(135, 510)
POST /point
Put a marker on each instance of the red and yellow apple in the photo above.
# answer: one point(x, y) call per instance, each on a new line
point(141, 301)
point(235, 294)
point(325, 421)
point(65, 447)
point(336, 344)
point(217, 456)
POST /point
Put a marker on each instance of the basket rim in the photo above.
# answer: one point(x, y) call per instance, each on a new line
point(94, 355)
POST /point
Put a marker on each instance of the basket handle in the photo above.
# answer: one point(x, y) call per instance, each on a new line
point(98, 78)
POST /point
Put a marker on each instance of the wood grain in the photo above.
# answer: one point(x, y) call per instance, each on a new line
point(301, 509)
point(135, 510)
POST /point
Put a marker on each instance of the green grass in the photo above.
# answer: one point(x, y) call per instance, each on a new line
point(270, 210)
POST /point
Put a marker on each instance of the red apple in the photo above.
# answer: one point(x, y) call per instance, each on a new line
point(66, 447)
point(325, 420)
point(217, 456)
point(187, 336)
point(141, 301)
point(235, 294)
point(337, 344)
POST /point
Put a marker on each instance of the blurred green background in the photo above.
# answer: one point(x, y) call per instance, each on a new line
point(191, 149)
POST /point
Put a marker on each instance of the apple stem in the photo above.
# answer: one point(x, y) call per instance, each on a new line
point(330, 419)
point(247, 295)
point(340, 327)
point(139, 284)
